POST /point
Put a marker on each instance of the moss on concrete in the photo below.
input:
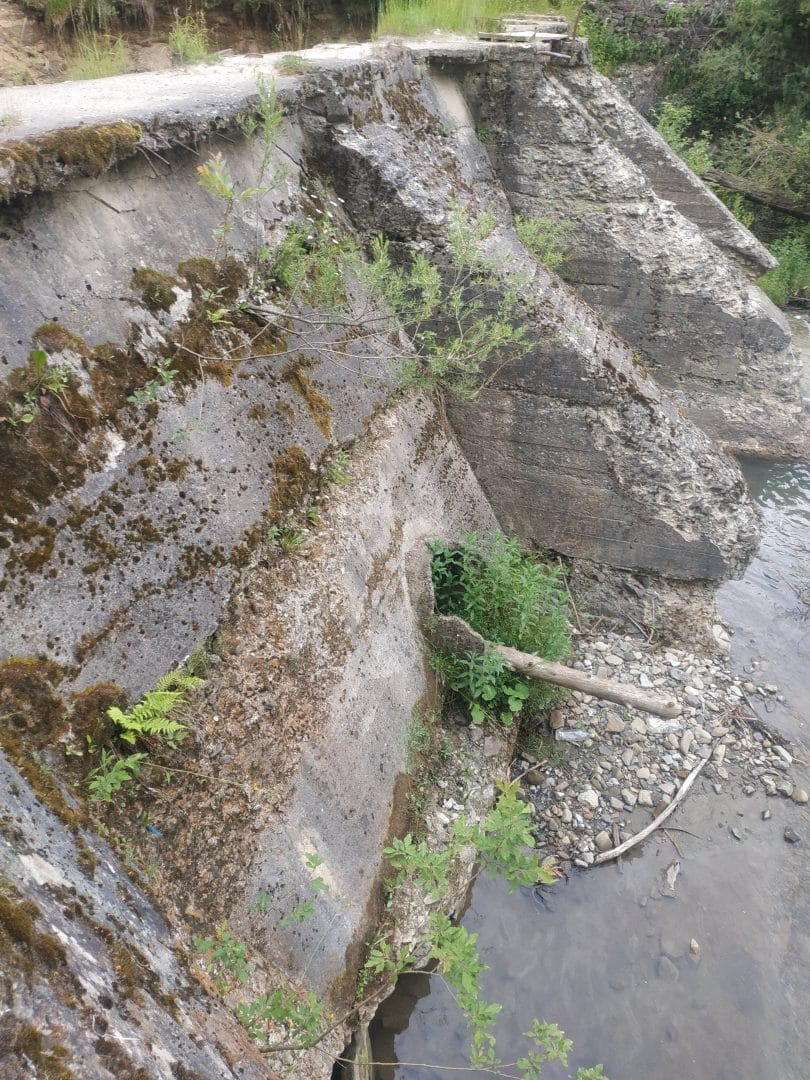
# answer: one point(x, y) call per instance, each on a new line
point(43, 162)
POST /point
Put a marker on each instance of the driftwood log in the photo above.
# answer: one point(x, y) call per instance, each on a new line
point(773, 199)
point(452, 634)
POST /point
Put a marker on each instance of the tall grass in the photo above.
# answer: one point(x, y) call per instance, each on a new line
point(97, 56)
point(410, 18)
point(189, 41)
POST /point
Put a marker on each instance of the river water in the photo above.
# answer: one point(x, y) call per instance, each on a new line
point(591, 959)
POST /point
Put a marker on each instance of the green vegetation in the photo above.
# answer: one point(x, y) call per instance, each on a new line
point(510, 599)
point(44, 380)
point(97, 56)
point(156, 716)
point(410, 18)
point(609, 48)
point(672, 122)
point(504, 844)
point(292, 65)
point(189, 40)
point(790, 281)
point(164, 376)
point(741, 104)
point(545, 238)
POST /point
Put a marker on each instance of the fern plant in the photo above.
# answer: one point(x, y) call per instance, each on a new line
point(153, 715)
point(107, 779)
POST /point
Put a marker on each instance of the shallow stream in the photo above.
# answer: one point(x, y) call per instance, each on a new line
point(607, 957)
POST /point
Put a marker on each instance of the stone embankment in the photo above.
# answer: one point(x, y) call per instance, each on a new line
point(589, 796)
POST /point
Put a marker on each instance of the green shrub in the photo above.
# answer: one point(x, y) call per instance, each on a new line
point(609, 48)
point(510, 599)
point(672, 122)
point(790, 281)
point(545, 238)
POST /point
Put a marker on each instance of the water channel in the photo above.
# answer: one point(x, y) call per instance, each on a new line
point(591, 959)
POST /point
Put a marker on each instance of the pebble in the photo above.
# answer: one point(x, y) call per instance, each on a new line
point(588, 797)
point(766, 815)
point(636, 760)
point(603, 841)
point(791, 836)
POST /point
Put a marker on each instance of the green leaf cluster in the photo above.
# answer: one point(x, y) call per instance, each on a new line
point(226, 957)
point(45, 380)
point(510, 599)
point(155, 716)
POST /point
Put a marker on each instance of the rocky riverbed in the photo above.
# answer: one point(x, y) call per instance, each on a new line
point(591, 795)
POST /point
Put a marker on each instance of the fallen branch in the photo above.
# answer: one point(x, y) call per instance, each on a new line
point(452, 634)
point(614, 853)
point(560, 675)
point(775, 200)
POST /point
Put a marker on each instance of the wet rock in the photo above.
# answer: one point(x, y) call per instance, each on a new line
point(672, 946)
point(666, 970)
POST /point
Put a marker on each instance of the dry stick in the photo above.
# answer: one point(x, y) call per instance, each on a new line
point(672, 841)
point(606, 856)
point(560, 675)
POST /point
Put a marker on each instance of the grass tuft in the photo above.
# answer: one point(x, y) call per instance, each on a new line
point(189, 42)
point(97, 56)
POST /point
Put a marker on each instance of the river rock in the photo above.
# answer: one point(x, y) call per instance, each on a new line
point(791, 836)
point(614, 726)
point(556, 719)
point(666, 970)
point(589, 798)
point(645, 797)
point(799, 795)
point(603, 841)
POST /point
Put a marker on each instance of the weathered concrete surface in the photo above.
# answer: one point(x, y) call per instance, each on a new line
point(93, 983)
point(130, 564)
point(708, 335)
point(574, 444)
point(322, 669)
point(666, 172)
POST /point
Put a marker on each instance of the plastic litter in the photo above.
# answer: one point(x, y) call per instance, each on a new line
point(565, 735)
